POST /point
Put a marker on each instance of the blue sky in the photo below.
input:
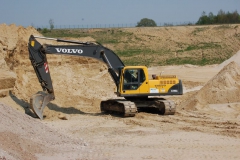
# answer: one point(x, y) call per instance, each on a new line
point(86, 12)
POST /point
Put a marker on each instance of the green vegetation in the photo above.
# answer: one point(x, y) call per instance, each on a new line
point(188, 60)
point(135, 51)
point(140, 60)
point(145, 22)
point(45, 30)
point(203, 46)
point(224, 26)
point(220, 18)
point(200, 46)
point(134, 62)
point(197, 30)
point(129, 52)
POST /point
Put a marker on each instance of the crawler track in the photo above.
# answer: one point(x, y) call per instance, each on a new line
point(124, 107)
point(128, 108)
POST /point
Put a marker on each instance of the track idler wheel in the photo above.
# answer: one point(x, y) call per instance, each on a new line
point(167, 107)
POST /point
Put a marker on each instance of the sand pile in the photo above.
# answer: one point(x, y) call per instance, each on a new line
point(13, 44)
point(23, 137)
point(13, 49)
point(222, 88)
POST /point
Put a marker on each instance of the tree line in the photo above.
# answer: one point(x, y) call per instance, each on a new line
point(221, 18)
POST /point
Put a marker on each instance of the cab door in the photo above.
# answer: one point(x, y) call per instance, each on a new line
point(133, 79)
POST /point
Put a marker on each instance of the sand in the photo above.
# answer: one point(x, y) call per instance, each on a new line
point(206, 125)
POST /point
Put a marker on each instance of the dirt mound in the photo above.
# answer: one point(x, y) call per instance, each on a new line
point(23, 137)
point(221, 89)
point(13, 44)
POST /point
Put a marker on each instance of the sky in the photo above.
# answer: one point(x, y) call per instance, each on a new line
point(105, 12)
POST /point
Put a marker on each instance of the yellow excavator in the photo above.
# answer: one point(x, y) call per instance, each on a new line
point(132, 82)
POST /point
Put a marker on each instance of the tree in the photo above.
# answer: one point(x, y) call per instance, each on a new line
point(235, 18)
point(145, 22)
point(203, 19)
point(221, 17)
point(51, 23)
point(211, 18)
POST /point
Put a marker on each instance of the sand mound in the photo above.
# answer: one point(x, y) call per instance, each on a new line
point(222, 88)
point(235, 58)
point(220, 94)
point(23, 137)
point(13, 44)
point(12, 53)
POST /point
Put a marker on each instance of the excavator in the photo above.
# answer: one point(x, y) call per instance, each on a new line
point(133, 86)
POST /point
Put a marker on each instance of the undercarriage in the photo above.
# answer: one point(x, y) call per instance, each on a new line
point(130, 107)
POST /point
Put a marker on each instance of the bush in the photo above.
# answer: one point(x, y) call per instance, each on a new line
point(45, 30)
point(145, 22)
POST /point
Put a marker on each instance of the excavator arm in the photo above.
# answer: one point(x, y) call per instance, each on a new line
point(38, 58)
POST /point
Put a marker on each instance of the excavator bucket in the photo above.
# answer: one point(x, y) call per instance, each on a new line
point(38, 102)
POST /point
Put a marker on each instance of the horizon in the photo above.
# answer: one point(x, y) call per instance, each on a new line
point(108, 12)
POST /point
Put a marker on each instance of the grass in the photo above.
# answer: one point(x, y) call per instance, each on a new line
point(203, 46)
point(225, 26)
point(135, 51)
point(129, 52)
point(138, 61)
point(188, 60)
point(197, 30)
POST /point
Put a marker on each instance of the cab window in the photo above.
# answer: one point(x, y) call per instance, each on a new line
point(133, 78)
